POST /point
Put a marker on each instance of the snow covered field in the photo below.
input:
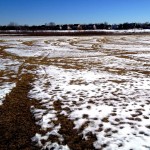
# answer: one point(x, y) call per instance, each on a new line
point(100, 84)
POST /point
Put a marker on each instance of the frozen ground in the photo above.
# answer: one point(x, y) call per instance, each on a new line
point(8, 73)
point(102, 85)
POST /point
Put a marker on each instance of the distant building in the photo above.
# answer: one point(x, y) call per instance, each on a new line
point(79, 27)
point(68, 27)
point(94, 27)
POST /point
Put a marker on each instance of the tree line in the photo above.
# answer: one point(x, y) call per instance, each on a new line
point(52, 26)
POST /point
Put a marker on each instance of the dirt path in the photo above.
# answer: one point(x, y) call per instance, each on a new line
point(17, 125)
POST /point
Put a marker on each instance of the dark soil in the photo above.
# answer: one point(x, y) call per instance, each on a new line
point(17, 125)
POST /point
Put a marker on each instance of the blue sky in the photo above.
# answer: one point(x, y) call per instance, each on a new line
point(35, 12)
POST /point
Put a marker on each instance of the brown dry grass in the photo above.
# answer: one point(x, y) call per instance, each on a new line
point(72, 137)
point(78, 82)
point(46, 42)
point(17, 125)
point(1, 41)
point(29, 43)
point(4, 54)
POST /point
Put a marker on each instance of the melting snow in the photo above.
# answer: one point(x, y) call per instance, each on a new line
point(109, 106)
point(5, 89)
point(9, 69)
point(110, 97)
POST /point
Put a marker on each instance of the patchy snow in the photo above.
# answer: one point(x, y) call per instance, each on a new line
point(127, 47)
point(108, 97)
point(103, 101)
point(8, 73)
point(48, 53)
point(143, 56)
point(5, 89)
point(9, 64)
point(54, 49)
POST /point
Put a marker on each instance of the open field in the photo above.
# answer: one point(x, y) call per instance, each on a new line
point(78, 93)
